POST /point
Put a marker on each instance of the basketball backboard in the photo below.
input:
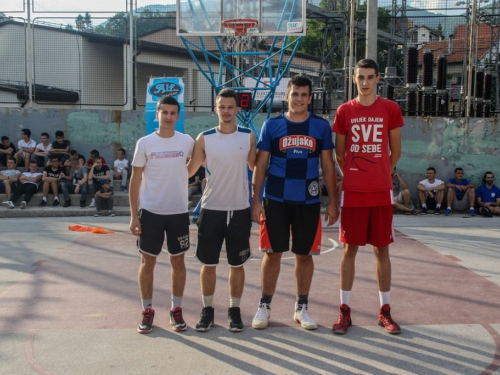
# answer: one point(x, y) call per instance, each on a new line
point(275, 17)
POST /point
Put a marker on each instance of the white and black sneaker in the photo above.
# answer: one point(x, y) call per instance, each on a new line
point(302, 316)
point(261, 318)
point(8, 204)
point(23, 205)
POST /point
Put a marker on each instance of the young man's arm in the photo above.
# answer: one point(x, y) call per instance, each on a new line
point(330, 179)
point(46, 178)
point(340, 140)
point(259, 175)
point(91, 172)
point(440, 187)
point(252, 154)
point(198, 157)
point(395, 146)
point(133, 194)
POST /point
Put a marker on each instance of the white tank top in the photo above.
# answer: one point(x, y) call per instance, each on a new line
point(226, 170)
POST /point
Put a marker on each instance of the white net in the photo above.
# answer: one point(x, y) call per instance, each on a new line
point(239, 35)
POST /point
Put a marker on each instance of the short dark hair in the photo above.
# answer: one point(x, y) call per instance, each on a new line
point(59, 133)
point(26, 132)
point(94, 153)
point(98, 157)
point(45, 135)
point(73, 153)
point(54, 157)
point(34, 162)
point(170, 100)
point(432, 169)
point(299, 80)
point(73, 160)
point(5, 138)
point(12, 159)
point(367, 63)
point(122, 150)
point(227, 93)
point(458, 169)
point(484, 177)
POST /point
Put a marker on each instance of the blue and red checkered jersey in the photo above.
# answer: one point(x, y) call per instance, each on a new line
point(295, 149)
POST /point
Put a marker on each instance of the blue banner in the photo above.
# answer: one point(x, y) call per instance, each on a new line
point(158, 87)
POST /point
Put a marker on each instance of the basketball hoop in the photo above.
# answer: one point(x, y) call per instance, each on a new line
point(239, 31)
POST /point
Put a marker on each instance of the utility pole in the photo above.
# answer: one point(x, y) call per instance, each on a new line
point(371, 29)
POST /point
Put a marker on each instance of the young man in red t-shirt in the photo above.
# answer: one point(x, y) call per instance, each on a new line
point(367, 147)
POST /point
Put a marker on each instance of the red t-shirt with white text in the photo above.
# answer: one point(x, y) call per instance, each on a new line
point(367, 167)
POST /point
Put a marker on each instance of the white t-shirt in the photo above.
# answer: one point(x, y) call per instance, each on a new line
point(428, 185)
point(11, 173)
point(226, 171)
point(29, 174)
point(25, 146)
point(164, 186)
point(41, 147)
point(120, 164)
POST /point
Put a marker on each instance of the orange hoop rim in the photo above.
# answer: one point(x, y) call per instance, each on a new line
point(240, 25)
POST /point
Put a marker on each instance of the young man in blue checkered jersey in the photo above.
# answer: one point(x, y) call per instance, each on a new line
point(292, 144)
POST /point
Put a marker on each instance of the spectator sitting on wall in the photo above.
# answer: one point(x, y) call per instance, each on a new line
point(93, 154)
point(120, 169)
point(402, 195)
point(104, 198)
point(73, 154)
point(8, 178)
point(52, 176)
point(461, 194)
point(26, 146)
point(75, 182)
point(42, 151)
point(29, 182)
point(488, 196)
point(97, 172)
point(431, 192)
point(7, 150)
point(61, 147)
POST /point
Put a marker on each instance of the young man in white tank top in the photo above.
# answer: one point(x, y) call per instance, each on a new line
point(225, 214)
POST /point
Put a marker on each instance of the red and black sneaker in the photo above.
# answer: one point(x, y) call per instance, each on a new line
point(176, 321)
point(146, 325)
point(344, 321)
point(385, 320)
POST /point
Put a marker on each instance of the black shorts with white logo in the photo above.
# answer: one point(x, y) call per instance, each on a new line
point(216, 226)
point(154, 227)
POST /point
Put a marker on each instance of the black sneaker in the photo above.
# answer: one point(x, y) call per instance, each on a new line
point(234, 319)
point(146, 325)
point(437, 211)
point(42, 204)
point(82, 204)
point(424, 211)
point(206, 319)
point(56, 203)
point(67, 203)
point(176, 320)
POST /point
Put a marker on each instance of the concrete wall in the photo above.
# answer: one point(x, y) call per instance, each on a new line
point(438, 142)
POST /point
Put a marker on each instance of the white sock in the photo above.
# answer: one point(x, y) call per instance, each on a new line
point(147, 303)
point(234, 302)
point(176, 301)
point(207, 300)
point(449, 208)
point(438, 206)
point(44, 199)
point(345, 296)
point(385, 298)
point(424, 205)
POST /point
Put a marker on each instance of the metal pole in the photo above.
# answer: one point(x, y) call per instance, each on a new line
point(29, 56)
point(371, 29)
point(130, 56)
point(351, 48)
point(471, 59)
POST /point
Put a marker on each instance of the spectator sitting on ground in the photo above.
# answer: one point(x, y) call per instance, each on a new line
point(120, 168)
point(97, 173)
point(26, 146)
point(93, 154)
point(104, 198)
point(52, 176)
point(61, 147)
point(73, 154)
point(42, 151)
point(402, 195)
point(75, 182)
point(461, 194)
point(431, 192)
point(194, 185)
point(29, 182)
point(7, 150)
point(488, 196)
point(8, 178)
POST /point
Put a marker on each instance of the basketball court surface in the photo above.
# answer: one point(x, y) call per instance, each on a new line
point(69, 304)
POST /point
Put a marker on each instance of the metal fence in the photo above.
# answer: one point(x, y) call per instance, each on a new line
point(64, 54)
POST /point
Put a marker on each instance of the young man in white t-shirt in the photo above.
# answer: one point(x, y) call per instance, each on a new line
point(431, 192)
point(29, 182)
point(8, 177)
point(26, 147)
point(41, 154)
point(158, 207)
point(120, 168)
